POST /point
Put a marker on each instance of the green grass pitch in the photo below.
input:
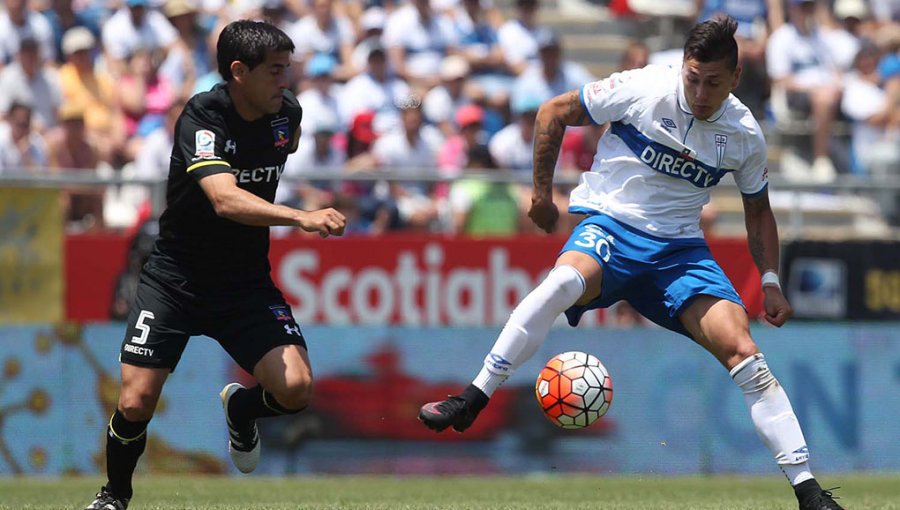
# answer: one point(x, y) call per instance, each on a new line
point(453, 493)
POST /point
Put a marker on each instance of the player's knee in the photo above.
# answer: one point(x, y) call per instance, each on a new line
point(296, 393)
point(741, 352)
point(562, 288)
point(734, 347)
point(137, 405)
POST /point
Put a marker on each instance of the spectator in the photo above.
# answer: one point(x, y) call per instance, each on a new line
point(211, 78)
point(375, 90)
point(320, 99)
point(453, 156)
point(360, 139)
point(482, 208)
point(93, 91)
point(551, 75)
point(371, 27)
point(69, 146)
point(135, 26)
point(479, 44)
point(411, 149)
point(576, 154)
point(22, 149)
point(323, 155)
point(70, 150)
point(18, 22)
point(511, 147)
point(635, 56)
point(843, 38)
point(377, 212)
point(27, 80)
point(442, 102)
point(886, 11)
point(875, 115)
point(417, 39)
point(152, 161)
point(281, 13)
point(322, 32)
point(800, 65)
point(190, 56)
point(61, 17)
point(518, 37)
point(144, 94)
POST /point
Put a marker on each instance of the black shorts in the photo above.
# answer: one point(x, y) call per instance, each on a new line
point(247, 322)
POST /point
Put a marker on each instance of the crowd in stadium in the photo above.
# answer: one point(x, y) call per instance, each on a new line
point(421, 87)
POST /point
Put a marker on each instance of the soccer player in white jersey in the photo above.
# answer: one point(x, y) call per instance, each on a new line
point(674, 134)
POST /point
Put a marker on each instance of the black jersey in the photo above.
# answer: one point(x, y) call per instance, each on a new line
point(210, 137)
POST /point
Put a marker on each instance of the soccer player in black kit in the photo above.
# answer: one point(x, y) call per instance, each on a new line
point(209, 270)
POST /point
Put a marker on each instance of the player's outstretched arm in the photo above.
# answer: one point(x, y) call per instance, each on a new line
point(549, 127)
point(762, 236)
point(231, 202)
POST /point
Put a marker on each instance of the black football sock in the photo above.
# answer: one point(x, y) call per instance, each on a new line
point(252, 403)
point(125, 442)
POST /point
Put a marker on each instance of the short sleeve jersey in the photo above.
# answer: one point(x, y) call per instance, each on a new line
point(654, 167)
point(210, 138)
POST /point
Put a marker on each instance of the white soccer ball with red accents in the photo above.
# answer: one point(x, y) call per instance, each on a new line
point(574, 389)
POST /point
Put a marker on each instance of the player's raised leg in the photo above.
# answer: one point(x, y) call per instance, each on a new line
point(576, 278)
point(285, 387)
point(722, 328)
point(126, 433)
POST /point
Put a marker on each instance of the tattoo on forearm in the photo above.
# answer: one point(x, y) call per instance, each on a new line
point(548, 138)
point(757, 249)
point(758, 230)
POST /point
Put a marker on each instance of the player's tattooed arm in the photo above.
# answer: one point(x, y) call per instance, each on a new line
point(762, 236)
point(762, 232)
point(549, 127)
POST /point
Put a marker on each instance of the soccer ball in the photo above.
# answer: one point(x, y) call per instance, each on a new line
point(574, 390)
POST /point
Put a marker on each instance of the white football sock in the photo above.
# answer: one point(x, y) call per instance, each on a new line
point(773, 417)
point(528, 326)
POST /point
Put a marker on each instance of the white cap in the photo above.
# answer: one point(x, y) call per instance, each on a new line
point(77, 39)
point(372, 19)
point(844, 9)
point(454, 66)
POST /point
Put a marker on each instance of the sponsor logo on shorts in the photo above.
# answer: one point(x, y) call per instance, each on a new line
point(280, 312)
point(140, 351)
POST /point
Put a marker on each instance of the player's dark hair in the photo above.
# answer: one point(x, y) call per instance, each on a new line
point(248, 42)
point(713, 40)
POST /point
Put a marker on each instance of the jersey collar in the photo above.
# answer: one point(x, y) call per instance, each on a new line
point(686, 109)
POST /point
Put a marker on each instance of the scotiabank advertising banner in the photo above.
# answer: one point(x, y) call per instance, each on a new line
point(401, 280)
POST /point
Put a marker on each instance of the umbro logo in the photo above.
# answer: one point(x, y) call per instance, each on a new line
point(668, 124)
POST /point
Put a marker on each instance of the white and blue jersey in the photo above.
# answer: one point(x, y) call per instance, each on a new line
point(651, 177)
point(655, 166)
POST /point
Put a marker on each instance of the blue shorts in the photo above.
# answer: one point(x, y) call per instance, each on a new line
point(659, 277)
